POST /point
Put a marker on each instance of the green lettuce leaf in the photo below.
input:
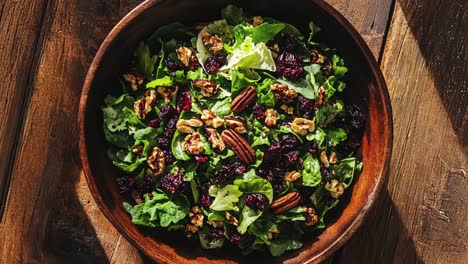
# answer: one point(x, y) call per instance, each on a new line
point(346, 169)
point(311, 175)
point(250, 55)
point(335, 136)
point(327, 113)
point(265, 96)
point(339, 69)
point(124, 159)
point(247, 217)
point(266, 32)
point(164, 81)
point(144, 61)
point(240, 78)
point(222, 108)
point(332, 84)
point(176, 147)
point(226, 198)
point(293, 214)
point(232, 14)
point(255, 185)
point(278, 247)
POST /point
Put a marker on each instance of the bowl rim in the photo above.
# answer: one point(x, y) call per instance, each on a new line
point(342, 238)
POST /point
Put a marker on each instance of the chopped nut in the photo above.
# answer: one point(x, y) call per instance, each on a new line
point(137, 150)
point(283, 93)
point(288, 109)
point(271, 116)
point(137, 197)
point(274, 50)
point(213, 43)
point(321, 96)
point(156, 161)
point(335, 188)
point(293, 176)
point(211, 119)
point(215, 139)
point(333, 159)
point(257, 20)
point(208, 88)
point(167, 92)
point(134, 80)
point(311, 217)
point(302, 126)
point(190, 230)
point(143, 106)
point(215, 223)
point(193, 144)
point(196, 216)
point(186, 126)
point(316, 56)
point(327, 68)
point(236, 123)
point(324, 159)
point(231, 219)
point(188, 58)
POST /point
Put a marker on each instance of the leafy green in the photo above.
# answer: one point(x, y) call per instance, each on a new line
point(327, 113)
point(300, 85)
point(247, 217)
point(332, 84)
point(170, 31)
point(345, 170)
point(144, 61)
point(255, 185)
point(164, 81)
point(176, 147)
point(225, 198)
point(115, 123)
point(338, 69)
point(250, 55)
point(314, 29)
point(240, 78)
point(311, 173)
point(232, 14)
point(222, 108)
point(266, 32)
point(265, 96)
point(159, 210)
point(207, 242)
point(293, 214)
point(124, 159)
point(278, 247)
point(335, 136)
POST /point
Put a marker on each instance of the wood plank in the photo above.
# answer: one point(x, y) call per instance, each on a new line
point(59, 221)
point(422, 216)
point(20, 25)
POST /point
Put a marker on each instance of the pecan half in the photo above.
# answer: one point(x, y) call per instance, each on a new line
point(286, 202)
point(241, 148)
point(245, 97)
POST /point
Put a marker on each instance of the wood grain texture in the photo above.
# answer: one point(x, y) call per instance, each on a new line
point(422, 216)
point(50, 215)
point(20, 27)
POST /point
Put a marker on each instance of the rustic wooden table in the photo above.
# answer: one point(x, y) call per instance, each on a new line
point(46, 211)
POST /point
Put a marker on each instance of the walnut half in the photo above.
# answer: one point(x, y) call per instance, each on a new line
point(208, 88)
point(215, 139)
point(156, 161)
point(211, 119)
point(236, 123)
point(271, 116)
point(335, 188)
point(302, 126)
point(193, 144)
point(283, 93)
point(213, 43)
point(186, 126)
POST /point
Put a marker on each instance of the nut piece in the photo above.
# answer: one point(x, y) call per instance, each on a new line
point(231, 219)
point(156, 161)
point(188, 58)
point(293, 176)
point(211, 119)
point(143, 106)
point(335, 188)
point(283, 93)
point(241, 148)
point(215, 223)
point(236, 123)
point(243, 100)
point(137, 197)
point(271, 116)
point(138, 150)
point(213, 43)
point(285, 202)
point(324, 159)
point(321, 96)
point(215, 139)
point(186, 126)
point(257, 20)
point(134, 80)
point(327, 67)
point(333, 159)
point(196, 221)
point(316, 56)
point(302, 126)
point(288, 109)
point(208, 88)
point(193, 144)
point(167, 92)
point(311, 217)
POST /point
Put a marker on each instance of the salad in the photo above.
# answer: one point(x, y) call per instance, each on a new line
point(233, 132)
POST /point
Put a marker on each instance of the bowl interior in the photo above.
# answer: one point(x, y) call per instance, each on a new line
point(365, 87)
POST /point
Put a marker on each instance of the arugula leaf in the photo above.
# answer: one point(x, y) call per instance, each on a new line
point(345, 170)
point(124, 159)
point(327, 112)
point(226, 198)
point(335, 136)
point(144, 61)
point(176, 147)
point(251, 55)
point(265, 96)
point(232, 14)
point(278, 247)
point(332, 84)
point(293, 214)
point(247, 217)
point(266, 32)
point(159, 210)
point(338, 69)
point(164, 81)
point(311, 175)
point(240, 78)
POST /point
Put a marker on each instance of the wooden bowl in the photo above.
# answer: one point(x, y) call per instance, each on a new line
point(366, 86)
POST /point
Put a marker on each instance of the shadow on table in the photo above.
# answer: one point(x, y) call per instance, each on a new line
point(439, 27)
point(379, 237)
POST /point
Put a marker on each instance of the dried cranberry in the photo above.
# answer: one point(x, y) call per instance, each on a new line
point(235, 237)
point(314, 149)
point(292, 156)
point(290, 66)
point(239, 169)
point(206, 200)
point(214, 62)
point(216, 234)
point(171, 127)
point(173, 65)
point(288, 139)
point(172, 181)
point(259, 112)
point(257, 201)
point(272, 154)
point(305, 107)
point(125, 184)
point(227, 173)
point(146, 185)
point(155, 122)
point(163, 141)
point(167, 111)
point(287, 42)
point(201, 159)
point(326, 175)
point(168, 157)
point(185, 102)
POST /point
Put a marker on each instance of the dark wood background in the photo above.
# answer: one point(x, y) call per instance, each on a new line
point(46, 211)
